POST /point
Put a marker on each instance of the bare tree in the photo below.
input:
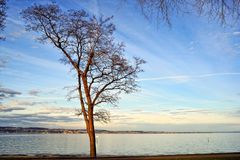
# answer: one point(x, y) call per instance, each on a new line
point(2, 16)
point(224, 11)
point(161, 10)
point(87, 45)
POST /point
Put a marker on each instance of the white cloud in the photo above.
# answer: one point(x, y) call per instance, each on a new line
point(15, 21)
point(184, 78)
point(17, 34)
point(237, 33)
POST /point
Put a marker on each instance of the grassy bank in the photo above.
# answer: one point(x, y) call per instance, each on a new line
point(221, 156)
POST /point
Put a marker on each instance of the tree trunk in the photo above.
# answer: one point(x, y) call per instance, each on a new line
point(92, 139)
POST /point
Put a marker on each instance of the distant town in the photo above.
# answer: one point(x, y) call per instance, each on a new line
point(39, 130)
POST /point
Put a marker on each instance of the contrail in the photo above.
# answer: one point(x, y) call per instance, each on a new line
point(179, 77)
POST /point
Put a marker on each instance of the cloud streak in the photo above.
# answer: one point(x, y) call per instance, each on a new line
point(34, 92)
point(11, 109)
point(18, 118)
point(7, 93)
point(189, 77)
point(32, 103)
point(237, 33)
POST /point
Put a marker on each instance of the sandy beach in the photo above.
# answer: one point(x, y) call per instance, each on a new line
point(218, 156)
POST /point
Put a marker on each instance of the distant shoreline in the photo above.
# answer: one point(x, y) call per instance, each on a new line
point(37, 130)
point(211, 156)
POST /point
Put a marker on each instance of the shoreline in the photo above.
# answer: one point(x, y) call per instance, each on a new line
point(210, 156)
point(40, 130)
point(23, 133)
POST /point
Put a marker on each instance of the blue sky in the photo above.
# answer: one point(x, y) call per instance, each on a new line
point(190, 83)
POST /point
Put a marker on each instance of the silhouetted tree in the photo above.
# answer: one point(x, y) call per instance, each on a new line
point(2, 16)
point(88, 46)
point(163, 10)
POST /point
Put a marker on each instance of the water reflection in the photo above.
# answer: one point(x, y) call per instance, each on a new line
point(120, 144)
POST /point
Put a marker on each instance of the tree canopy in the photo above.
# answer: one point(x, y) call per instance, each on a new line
point(223, 11)
point(2, 16)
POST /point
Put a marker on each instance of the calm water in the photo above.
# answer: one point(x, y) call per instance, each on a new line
point(120, 144)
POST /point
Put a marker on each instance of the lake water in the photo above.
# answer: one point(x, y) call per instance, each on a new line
point(120, 144)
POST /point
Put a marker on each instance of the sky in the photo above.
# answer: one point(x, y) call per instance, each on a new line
point(190, 81)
